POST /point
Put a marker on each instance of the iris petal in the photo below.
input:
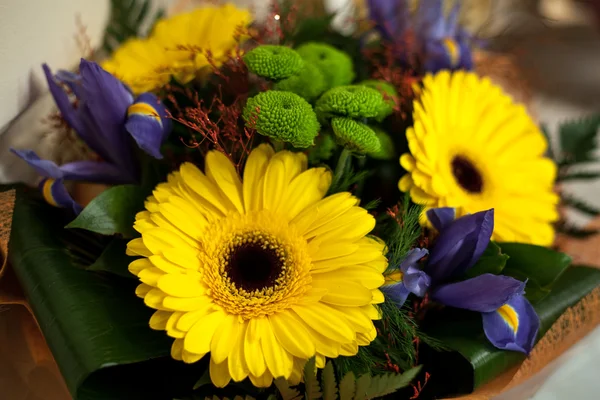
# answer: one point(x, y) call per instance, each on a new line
point(56, 194)
point(441, 217)
point(484, 293)
point(514, 326)
point(148, 124)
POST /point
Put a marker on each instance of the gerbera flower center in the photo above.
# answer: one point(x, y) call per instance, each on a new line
point(255, 265)
point(467, 175)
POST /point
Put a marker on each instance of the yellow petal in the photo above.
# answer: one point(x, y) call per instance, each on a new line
point(136, 247)
point(219, 374)
point(224, 338)
point(349, 349)
point(324, 211)
point(158, 321)
point(223, 174)
point(407, 162)
point(236, 361)
point(292, 334)
point(159, 240)
point(200, 335)
point(150, 276)
point(208, 195)
point(405, 183)
point(185, 257)
point(252, 348)
point(324, 320)
point(154, 299)
point(171, 326)
point(263, 381)
point(179, 285)
point(344, 293)
point(190, 358)
point(190, 318)
point(255, 168)
point(177, 350)
point(164, 265)
point(142, 290)
point(305, 190)
point(135, 267)
point(278, 360)
point(186, 303)
point(377, 297)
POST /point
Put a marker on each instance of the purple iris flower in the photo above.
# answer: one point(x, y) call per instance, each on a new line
point(509, 320)
point(407, 278)
point(106, 117)
point(440, 40)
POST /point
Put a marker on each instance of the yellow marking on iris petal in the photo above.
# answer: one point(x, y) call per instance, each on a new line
point(47, 192)
point(394, 277)
point(510, 316)
point(453, 51)
point(143, 109)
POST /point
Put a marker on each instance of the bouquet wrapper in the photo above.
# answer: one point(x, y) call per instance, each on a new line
point(29, 370)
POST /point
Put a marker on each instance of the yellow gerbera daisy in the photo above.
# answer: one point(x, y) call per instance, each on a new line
point(262, 274)
point(474, 149)
point(177, 47)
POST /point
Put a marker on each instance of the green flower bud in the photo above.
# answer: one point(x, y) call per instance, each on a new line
point(355, 136)
point(390, 96)
point(350, 101)
point(323, 149)
point(273, 62)
point(282, 116)
point(336, 66)
point(386, 150)
point(309, 83)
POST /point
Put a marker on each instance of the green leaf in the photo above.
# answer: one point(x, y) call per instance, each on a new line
point(542, 266)
point(362, 386)
point(492, 261)
point(578, 176)
point(328, 383)
point(311, 385)
point(578, 140)
point(94, 324)
point(286, 392)
point(474, 361)
point(113, 211)
point(114, 260)
point(347, 387)
point(382, 385)
point(204, 380)
point(580, 206)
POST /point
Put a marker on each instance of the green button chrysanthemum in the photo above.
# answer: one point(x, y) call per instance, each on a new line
point(350, 101)
point(282, 116)
point(273, 62)
point(309, 83)
point(336, 66)
point(386, 150)
point(355, 136)
point(389, 94)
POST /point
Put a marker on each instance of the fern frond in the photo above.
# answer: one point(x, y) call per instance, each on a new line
point(311, 384)
point(328, 384)
point(286, 391)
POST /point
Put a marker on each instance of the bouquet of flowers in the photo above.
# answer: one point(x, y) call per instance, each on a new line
point(276, 210)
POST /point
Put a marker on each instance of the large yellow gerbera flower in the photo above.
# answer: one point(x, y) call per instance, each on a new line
point(474, 149)
point(262, 274)
point(177, 47)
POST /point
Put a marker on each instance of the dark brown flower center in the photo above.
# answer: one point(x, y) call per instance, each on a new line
point(467, 176)
point(254, 266)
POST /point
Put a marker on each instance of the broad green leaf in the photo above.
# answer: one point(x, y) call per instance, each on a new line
point(474, 361)
point(347, 387)
point(492, 261)
point(113, 211)
point(311, 385)
point(114, 260)
point(541, 265)
point(382, 385)
point(328, 383)
point(95, 326)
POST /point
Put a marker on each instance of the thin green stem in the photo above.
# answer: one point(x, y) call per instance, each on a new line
point(341, 168)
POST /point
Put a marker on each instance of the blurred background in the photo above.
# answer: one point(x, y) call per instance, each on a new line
point(552, 48)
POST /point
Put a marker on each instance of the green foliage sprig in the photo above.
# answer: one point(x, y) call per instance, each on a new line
point(127, 18)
